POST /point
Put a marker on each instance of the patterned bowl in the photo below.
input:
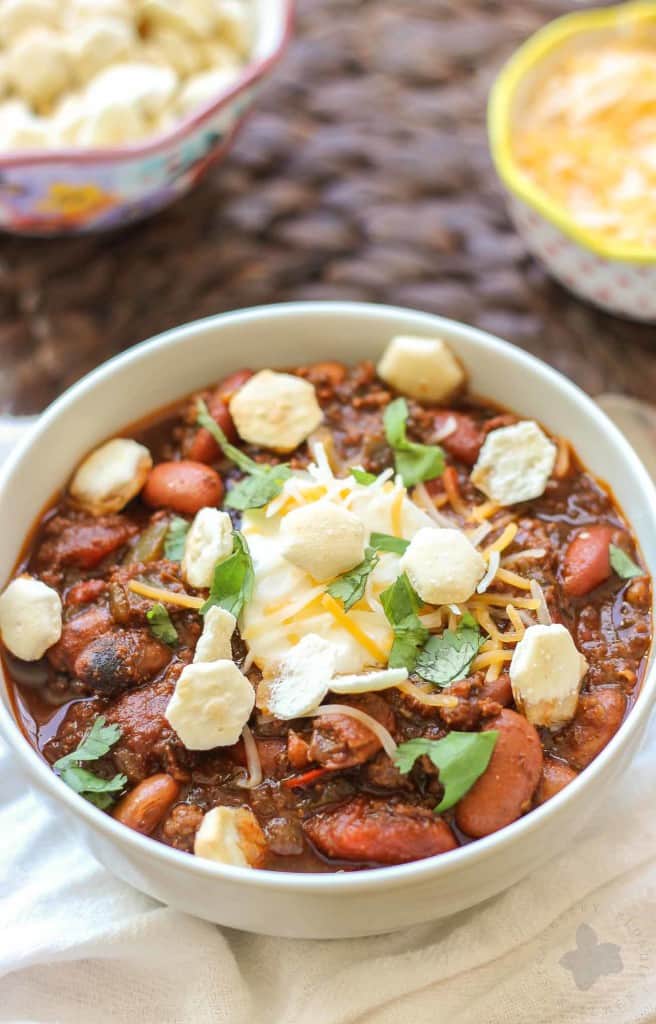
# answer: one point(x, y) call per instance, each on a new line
point(73, 191)
point(617, 277)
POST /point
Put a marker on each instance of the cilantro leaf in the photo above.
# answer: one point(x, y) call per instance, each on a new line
point(362, 476)
point(174, 542)
point(461, 758)
point(96, 744)
point(401, 604)
point(262, 483)
point(92, 787)
point(413, 461)
point(232, 585)
point(385, 542)
point(160, 624)
point(624, 566)
point(447, 658)
point(349, 587)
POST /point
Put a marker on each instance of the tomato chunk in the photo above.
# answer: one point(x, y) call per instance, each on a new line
point(465, 441)
point(587, 560)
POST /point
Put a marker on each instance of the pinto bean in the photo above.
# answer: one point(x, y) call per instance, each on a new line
point(184, 487)
point(504, 790)
point(119, 659)
point(587, 560)
point(466, 440)
point(555, 776)
point(339, 741)
point(598, 717)
point(373, 831)
point(230, 385)
point(147, 804)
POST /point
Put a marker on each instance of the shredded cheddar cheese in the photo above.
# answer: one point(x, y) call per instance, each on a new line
point(336, 610)
point(166, 596)
point(397, 514)
point(504, 541)
point(586, 136)
point(513, 579)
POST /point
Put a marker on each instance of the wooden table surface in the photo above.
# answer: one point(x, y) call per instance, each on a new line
point(364, 174)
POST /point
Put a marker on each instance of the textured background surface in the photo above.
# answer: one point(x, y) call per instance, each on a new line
point(364, 174)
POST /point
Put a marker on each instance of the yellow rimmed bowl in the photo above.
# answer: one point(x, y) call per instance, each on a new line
point(615, 276)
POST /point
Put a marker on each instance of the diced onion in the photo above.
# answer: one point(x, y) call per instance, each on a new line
point(252, 760)
point(492, 570)
point(449, 427)
point(542, 611)
point(386, 739)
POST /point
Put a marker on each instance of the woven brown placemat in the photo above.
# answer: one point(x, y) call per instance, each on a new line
point(364, 174)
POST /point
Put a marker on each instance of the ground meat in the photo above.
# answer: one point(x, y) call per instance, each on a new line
point(339, 741)
point(180, 827)
point(373, 831)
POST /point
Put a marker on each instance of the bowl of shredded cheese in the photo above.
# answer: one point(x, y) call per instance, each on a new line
point(112, 109)
point(572, 127)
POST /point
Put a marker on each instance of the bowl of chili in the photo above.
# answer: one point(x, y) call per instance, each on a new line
point(323, 739)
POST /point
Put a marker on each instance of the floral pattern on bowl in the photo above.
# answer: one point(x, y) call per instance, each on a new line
point(77, 191)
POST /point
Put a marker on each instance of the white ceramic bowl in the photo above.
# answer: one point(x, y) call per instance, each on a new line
point(173, 364)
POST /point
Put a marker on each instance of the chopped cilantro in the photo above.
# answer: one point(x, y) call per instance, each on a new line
point(624, 566)
point(176, 535)
point(461, 758)
point(160, 624)
point(401, 604)
point(234, 578)
point(95, 745)
point(413, 461)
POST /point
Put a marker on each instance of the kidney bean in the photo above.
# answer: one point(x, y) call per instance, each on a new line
point(598, 717)
point(230, 385)
point(503, 792)
point(373, 831)
point(204, 448)
point(555, 776)
point(587, 560)
point(466, 440)
point(184, 487)
point(147, 804)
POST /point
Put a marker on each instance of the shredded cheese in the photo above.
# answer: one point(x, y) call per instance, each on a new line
point(513, 579)
point(492, 571)
point(450, 481)
point(166, 596)
point(397, 513)
point(586, 134)
point(252, 760)
point(504, 540)
point(484, 511)
point(516, 620)
point(491, 658)
point(335, 609)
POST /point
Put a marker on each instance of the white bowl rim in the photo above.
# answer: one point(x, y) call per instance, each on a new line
point(366, 880)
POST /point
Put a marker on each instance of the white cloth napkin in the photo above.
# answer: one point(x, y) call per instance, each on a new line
point(574, 942)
